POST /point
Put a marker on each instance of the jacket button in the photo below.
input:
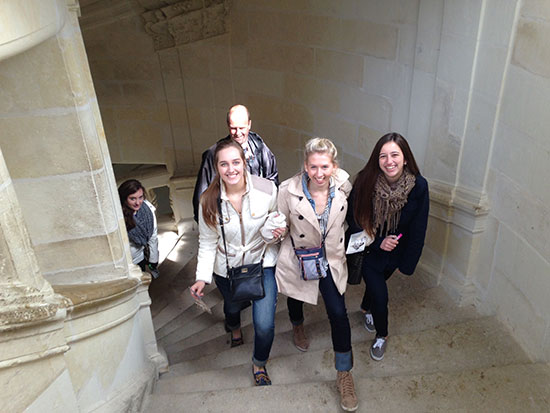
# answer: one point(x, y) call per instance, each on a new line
point(341, 209)
point(302, 247)
point(341, 239)
point(368, 251)
point(301, 217)
point(302, 235)
point(300, 198)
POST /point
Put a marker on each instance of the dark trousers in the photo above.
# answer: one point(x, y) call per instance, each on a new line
point(335, 306)
point(375, 298)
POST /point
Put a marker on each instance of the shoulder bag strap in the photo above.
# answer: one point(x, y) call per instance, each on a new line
point(223, 232)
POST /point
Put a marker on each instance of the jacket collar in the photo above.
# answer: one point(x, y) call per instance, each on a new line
point(342, 188)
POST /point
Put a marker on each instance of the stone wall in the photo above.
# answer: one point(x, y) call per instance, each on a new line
point(302, 68)
point(487, 159)
point(516, 285)
point(337, 69)
point(159, 105)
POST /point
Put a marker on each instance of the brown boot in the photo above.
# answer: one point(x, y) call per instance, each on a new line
point(346, 388)
point(300, 340)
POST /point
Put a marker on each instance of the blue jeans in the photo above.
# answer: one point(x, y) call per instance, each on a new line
point(263, 314)
point(335, 305)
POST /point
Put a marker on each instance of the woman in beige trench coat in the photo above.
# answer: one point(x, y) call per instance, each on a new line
point(315, 204)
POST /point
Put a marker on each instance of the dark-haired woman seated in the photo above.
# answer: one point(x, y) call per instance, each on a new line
point(141, 224)
point(390, 201)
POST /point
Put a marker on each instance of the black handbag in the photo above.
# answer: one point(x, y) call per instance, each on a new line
point(355, 263)
point(246, 281)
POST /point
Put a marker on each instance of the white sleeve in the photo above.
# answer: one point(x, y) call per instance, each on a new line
point(208, 243)
point(274, 220)
point(153, 241)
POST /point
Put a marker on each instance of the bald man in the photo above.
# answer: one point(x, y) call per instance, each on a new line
point(259, 158)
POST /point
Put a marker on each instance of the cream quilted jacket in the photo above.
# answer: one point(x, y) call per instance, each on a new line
point(242, 233)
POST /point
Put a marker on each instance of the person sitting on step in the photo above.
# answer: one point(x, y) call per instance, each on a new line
point(141, 224)
point(246, 202)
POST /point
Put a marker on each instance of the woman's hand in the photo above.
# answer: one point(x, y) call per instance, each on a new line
point(389, 243)
point(278, 233)
point(196, 289)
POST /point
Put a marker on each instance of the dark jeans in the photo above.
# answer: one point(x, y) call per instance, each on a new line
point(263, 314)
point(335, 306)
point(375, 298)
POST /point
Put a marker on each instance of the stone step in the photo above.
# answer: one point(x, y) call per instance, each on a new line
point(179, 305)
point(482, 342)
point(215, 339)
point(194, 321)
point(176, 335)
point(510, 388)
point(426, 309)
point(178, 267)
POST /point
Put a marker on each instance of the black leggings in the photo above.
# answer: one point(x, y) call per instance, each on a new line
point(375, 298)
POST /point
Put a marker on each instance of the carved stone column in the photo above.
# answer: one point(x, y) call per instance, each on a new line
point(55, 150)
point(32, 343)
point(25, 296)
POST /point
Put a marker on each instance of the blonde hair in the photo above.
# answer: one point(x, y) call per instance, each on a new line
point(321, 145)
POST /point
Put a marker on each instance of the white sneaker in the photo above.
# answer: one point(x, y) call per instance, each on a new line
point(378, 348)
point(369, 322)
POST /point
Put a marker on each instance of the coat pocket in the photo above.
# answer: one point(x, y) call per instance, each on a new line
point(222, 251)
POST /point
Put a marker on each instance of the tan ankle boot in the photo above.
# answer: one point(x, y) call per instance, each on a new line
point(346, 388)
point(300, 340)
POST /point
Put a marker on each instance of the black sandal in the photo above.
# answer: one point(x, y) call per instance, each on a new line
point(261, 378)
point(235, 342)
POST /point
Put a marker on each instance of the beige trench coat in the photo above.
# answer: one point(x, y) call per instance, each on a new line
point(305, 231)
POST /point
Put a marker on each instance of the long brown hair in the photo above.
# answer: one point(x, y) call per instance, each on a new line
point(127, 188)
point(209, 198)
point(363, 187)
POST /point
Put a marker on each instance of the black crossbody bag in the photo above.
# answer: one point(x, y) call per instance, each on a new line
point(246, 281)
point(310, 261)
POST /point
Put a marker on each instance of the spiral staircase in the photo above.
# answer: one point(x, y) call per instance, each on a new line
point(440, 357)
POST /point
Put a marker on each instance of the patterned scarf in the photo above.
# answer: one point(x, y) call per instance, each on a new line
point(389, 200)
point(143, 230)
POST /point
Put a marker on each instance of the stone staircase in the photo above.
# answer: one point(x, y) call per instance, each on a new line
point(439, 357)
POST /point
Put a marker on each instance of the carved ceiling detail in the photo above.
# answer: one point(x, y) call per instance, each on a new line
point(175, 22)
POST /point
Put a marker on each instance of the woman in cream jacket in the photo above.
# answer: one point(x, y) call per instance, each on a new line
point(247, 203)
point(315, 204)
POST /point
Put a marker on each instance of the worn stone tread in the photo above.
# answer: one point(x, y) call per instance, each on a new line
point(408, 313)
point(474, 343)
point(511, 388)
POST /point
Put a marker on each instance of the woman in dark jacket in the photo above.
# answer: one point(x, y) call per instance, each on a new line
point(390, 201)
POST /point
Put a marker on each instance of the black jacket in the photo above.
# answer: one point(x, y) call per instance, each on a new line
point(263, 164)
point(412, 224)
